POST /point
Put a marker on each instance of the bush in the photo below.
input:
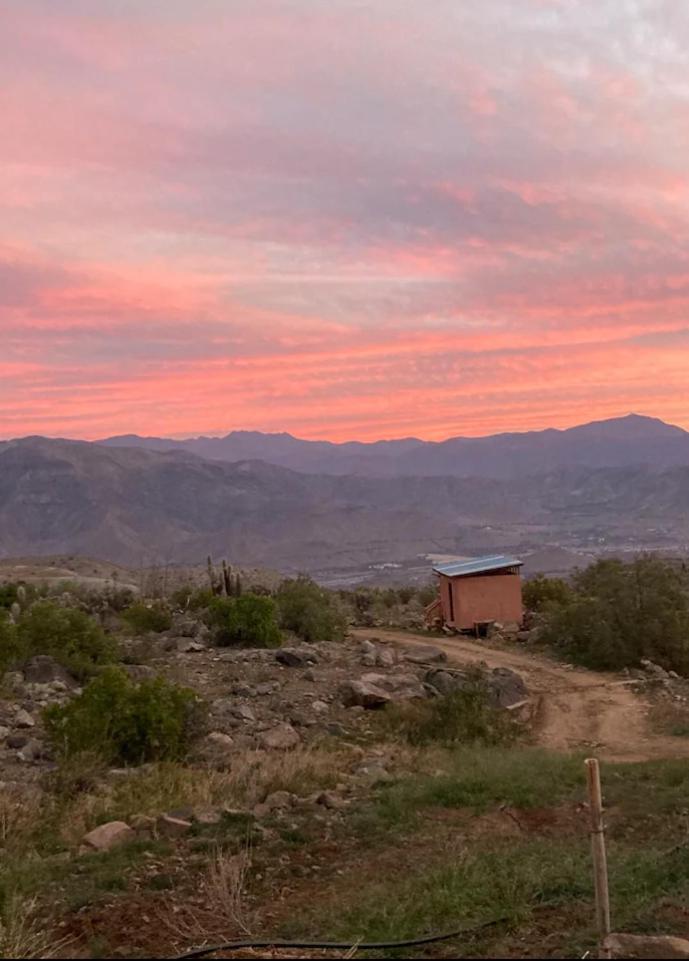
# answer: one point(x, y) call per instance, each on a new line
point(192, 598)
point(619, 613)
point(463, 717)
point(309, 611)
point(10, 648)
point(541, 591)
point(124, 722)
point(70, 636)
point(143, 618)
point(246, 621)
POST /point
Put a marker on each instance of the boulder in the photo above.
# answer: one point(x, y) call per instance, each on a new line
point(362, 694)
point(384, 657)
point(283, 737)
point(23, 719)
point(44, 669)
point(425, 654)
point(108, 836)
point(172, 827)
point(402, 687)
point(217, 739)
point(296, 656)
point(331, 800)
point(507, 688)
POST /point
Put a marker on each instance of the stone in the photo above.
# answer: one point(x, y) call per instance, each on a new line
point(4, 732)
point(23, 719)
point(507, 688)
point(172, 827)
point(425, 654)
point(309, 675)
point(362, 694)
point(31, 751)
point(320, 707)
point(368, 660)
point(367, 647)
point(184, 626)
point(331, 800)
point(43, 669)
point(243, 712)
point(264, 689)
point(523, 636)
point(185, 646)
point(280, 801)
point(385, 657)
point(280, 738)
point(296, 656)
point(108, 836)
point(208, 817)
point(654, 670)
point(217, 739)
point(402, 687)
point(144, 826)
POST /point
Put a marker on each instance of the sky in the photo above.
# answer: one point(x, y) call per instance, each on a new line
point(346, 219)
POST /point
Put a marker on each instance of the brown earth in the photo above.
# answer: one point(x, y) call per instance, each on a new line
point(578, 710)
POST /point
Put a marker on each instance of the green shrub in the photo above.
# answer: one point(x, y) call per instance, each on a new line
point(124, 722)
point(309, 611)
point(144, 618)
point(540, 592)
point(619, 613)
point(463, 717)
point(246, 621)
point(10, 647)
point(70, 636)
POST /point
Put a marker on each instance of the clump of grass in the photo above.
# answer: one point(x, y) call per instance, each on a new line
point(23, 933)
point(465, 716)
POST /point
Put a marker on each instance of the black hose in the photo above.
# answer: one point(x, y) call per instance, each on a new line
point(338, 945)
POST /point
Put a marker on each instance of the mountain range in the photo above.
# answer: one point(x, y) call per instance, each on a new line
point(625, 441)
point(611, 485)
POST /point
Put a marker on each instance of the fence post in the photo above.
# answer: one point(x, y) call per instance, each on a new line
point(600, 863)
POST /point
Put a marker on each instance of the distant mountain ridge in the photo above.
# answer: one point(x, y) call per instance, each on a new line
point(634, 440)
point(135, 506)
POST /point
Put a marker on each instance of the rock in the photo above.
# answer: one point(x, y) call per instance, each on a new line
point(362, 694)
point(367, 647)
point(280, 801)
point(336, 730)
point(280, 738)
point(208, 817)
point(185, 646)
point(523, 636)
point(172, 827)
point(184, 626)
point(296, 656)
point(108, 836)
point(320, 707)
point(43, 669)
point(309, 675)
point(646, 946)
point(242, 711)
point(144, 826)
point(266, 688)
point(507, 688)
point(33, 750)
point(23, 719)
point(17, 741)
point(425, 654)
point(4, 732)
point(331, 800)
point(402, 687)
point(385, 657)
point(655, 670)
point(217, 739)
point(445, 682)
point(368, 660)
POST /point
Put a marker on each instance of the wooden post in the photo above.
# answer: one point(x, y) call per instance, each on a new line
point(600, 863)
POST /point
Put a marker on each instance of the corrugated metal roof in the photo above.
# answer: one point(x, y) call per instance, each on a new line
point(477, 565)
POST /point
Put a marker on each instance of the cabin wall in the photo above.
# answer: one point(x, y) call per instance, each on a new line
point(496, 597)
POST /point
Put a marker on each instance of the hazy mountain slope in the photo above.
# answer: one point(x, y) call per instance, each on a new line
point(135, 505)
point(621, 442)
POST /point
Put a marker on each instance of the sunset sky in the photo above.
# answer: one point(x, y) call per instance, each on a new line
point(347, 219)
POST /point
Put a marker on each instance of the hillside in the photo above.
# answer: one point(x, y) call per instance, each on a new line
point(137, 506)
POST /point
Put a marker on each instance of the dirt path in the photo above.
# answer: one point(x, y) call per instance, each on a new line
point(580, 709)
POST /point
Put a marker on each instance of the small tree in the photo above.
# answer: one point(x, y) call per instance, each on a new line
point(10, 647)
point(73, 638)
point(124, 722)
point(541, 591)
point(309, 611)
point(246, 621)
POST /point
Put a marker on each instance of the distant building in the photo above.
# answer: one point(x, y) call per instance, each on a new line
point(478, 592)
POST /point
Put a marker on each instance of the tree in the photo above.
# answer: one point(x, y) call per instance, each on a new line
point(246, 621)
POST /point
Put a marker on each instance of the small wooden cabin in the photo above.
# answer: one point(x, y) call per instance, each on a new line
point(477, 592)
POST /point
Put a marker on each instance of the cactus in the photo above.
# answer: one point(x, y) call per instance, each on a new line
point(15, 612)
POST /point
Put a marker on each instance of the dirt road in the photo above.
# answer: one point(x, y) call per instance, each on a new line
point(580, 709)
